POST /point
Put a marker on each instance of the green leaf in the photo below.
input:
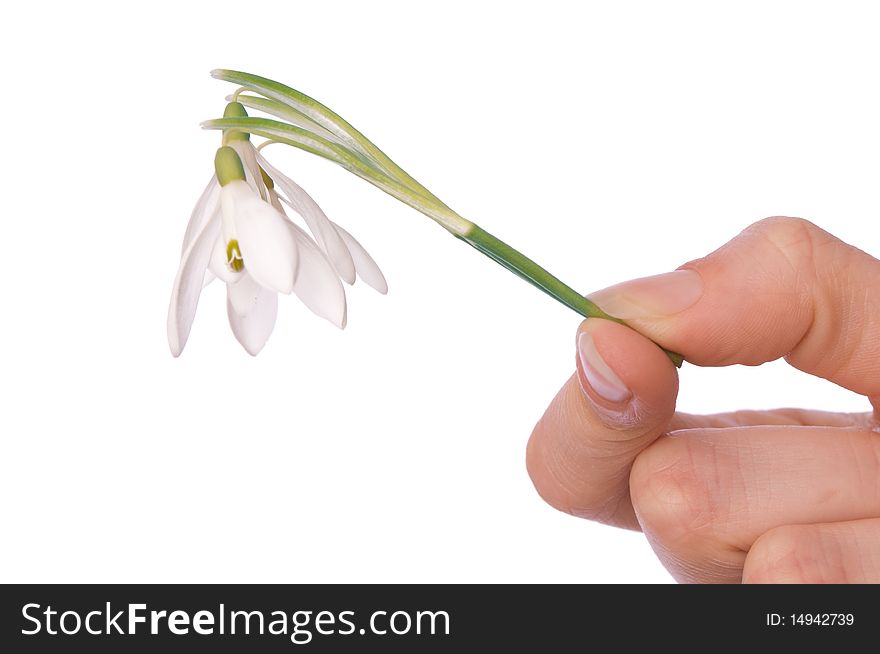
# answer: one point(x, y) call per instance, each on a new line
point(326, 118)
point(343, 156)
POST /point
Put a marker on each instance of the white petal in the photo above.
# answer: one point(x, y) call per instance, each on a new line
point(218, 265)
point(209, 277)
point(253, 329)
point(322, 229)
point(364, 264)
point(267, 245)
point(205, 208)
point(248, 155)
point(243, 294)
point(317, 284)
point(188, 284)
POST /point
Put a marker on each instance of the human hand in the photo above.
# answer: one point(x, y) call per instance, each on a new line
point(757, 496)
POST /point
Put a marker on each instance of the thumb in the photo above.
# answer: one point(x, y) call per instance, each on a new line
point(781, 288)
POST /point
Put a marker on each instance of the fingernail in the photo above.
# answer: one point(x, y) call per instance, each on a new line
point(599, 374)
point(659, 296)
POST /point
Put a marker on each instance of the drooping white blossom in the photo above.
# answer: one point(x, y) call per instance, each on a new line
point(240, 233)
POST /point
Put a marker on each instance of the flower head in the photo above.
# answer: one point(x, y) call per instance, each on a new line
point(240, 233)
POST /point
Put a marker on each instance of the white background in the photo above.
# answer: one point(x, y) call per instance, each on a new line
point(607, 140)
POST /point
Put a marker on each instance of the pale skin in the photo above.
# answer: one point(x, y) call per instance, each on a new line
point(784, 496)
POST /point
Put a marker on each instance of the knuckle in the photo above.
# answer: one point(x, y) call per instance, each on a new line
point(670, 494)
point(542, 474)
point(782, 227)
point(572, 477)
point(553, 472)
point(794, 239)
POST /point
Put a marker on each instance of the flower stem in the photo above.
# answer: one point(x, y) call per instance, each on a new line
point(519, 264)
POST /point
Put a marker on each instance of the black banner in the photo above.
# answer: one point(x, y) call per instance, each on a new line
point(419, 618)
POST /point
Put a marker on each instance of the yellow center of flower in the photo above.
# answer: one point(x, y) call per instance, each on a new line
point(233, 256)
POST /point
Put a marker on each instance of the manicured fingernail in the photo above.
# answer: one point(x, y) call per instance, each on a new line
point(659, 296)
point(599, 375)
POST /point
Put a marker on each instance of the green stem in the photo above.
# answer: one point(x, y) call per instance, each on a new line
point(519, 264)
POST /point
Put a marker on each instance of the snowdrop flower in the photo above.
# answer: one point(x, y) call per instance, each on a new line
point(239, 232)
point(303, 122)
